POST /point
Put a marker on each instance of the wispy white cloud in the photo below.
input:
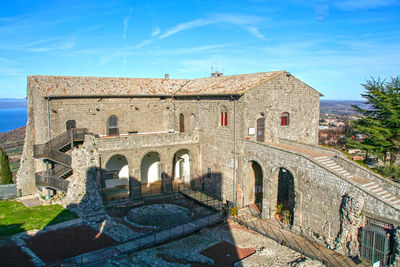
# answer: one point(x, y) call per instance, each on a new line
point(189, 50)
point(126, 21)
point(124, 53)
point(2, 59)
point(46, 45)
point(246, 22)
point(322, 11)
point(322, 7)
point(255, 32)
point(363, 4)
point(155, 32)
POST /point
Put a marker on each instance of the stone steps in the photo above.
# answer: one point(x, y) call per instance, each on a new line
point(372, 187)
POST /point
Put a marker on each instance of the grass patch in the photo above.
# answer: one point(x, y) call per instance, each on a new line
point(16, 218)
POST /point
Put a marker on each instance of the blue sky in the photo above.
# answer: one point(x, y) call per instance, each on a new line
point(333, 46)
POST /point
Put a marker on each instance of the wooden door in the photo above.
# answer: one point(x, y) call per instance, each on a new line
point(181, 123)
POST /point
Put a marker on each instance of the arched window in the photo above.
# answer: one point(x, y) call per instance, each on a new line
point(193, 121)
point(284, 118)
point(224, 116)
point(181, 123)
point(112, 126)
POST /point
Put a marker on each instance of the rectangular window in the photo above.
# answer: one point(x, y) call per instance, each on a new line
point(208, 172)
point(222, 118)
point(284, 121)
point(226, 119)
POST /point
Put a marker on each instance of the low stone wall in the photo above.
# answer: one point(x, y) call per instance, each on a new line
point(319, 192)
point(140, 140)
point(313, 148)
point(362, 172)
point(8, 191)
point(352, 167)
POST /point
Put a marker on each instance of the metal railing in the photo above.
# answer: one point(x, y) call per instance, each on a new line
point(135, 237)
point(52, 182)
point(59, 142)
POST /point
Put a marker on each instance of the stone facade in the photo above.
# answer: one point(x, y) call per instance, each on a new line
point(224, 125)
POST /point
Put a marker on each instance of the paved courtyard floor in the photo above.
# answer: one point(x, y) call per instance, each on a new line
point(223, 241)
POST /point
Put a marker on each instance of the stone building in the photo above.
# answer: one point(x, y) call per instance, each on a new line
point(249, 139)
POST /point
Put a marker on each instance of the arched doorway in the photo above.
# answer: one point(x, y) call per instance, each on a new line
point(116, 178)
point(181, 123)
point(181, 165)
point(286, 198)
point(70, 124)
point(150, 168)
point(257, 176)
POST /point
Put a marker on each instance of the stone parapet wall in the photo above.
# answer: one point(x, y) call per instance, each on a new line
point(314, 148)
point(140, 140)
point(360, 171)
point(350, 166)
point(319, 191)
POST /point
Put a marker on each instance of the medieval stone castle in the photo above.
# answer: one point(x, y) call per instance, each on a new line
point(248, 139)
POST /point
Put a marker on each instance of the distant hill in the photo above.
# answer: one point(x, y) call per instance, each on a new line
point(12, 143)
point(342, 107)
point(12, 103)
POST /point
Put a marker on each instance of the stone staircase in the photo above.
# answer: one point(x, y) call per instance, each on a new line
point(371, 186)
point(53, 152)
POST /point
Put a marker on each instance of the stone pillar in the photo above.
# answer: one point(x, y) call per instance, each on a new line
point(135, 189)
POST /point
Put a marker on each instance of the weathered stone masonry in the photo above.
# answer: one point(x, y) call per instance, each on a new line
point(208, 133)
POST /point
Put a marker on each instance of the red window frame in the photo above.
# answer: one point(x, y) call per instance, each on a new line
point(285, 120)
point(226, 119)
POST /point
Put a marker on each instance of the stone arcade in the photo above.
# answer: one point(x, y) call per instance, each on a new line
point(250, 139)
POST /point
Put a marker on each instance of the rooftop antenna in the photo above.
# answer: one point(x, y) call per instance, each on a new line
point(211, 70)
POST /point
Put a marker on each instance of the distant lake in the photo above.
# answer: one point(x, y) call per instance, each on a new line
point(11, 119)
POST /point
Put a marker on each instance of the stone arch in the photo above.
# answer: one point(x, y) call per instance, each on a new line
point(116, 177)
point(257, 182)
point(286, 189)
point(248, 194)
point(150, 167)
point(181, 165)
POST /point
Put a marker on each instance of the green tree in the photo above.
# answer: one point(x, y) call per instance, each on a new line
point(380, 122)
point(5, 172)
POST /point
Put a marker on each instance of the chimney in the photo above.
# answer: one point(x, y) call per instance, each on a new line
point(166, 76)
point(217, 74)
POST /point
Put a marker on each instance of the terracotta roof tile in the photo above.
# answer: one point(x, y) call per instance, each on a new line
point(65, 86)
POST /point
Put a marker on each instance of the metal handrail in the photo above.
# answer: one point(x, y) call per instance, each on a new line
point(59, 141)
point(52, 182)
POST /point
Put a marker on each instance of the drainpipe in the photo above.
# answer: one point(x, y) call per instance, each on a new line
point(48, 127)
point(48, 118)
point(173, 100)
point(234, 152)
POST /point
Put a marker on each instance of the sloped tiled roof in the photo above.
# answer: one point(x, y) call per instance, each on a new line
point(70, 86)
